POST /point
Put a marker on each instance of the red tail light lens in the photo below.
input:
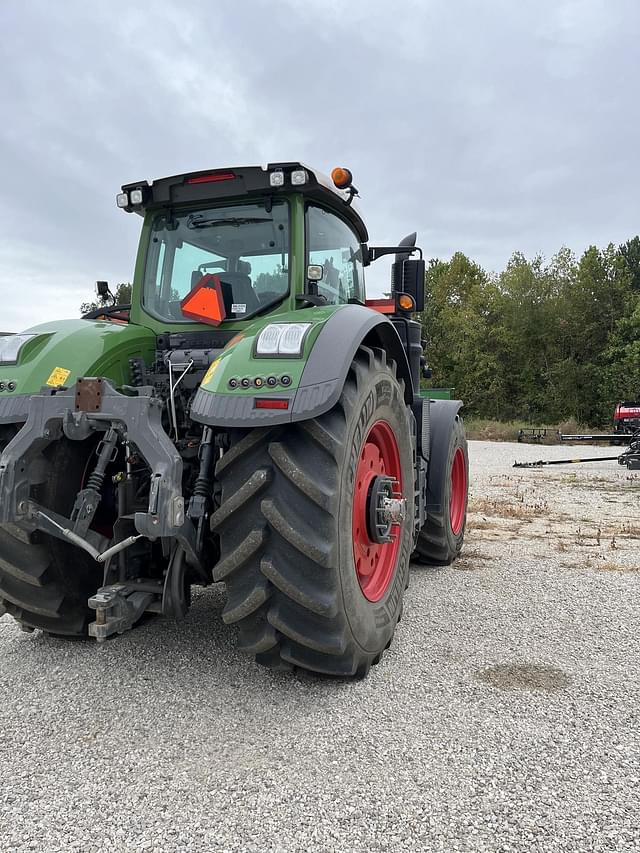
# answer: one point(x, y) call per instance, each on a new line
point(211, 178)
point(266, 403)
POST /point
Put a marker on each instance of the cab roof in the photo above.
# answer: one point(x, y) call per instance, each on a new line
point(241, 181)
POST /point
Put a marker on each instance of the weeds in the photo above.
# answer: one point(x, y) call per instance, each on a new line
point(611, 566)
point(482, 429)
point(507, 509)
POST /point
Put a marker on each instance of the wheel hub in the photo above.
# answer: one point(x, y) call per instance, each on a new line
point(379, 510)
point(385, 508)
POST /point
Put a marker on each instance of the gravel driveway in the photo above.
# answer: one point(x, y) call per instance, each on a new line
point(504, 717)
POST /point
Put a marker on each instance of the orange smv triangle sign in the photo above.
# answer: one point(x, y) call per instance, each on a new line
point(205, 302)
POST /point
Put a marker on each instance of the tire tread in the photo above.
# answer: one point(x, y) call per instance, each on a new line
point(278, 553)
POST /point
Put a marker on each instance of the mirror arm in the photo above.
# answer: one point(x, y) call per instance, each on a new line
point(311, 299)
point(372, 253)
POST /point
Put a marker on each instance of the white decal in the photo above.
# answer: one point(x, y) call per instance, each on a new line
point(239, 308)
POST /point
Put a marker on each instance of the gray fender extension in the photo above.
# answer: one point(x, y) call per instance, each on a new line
point(15, 409)
point(442, 415)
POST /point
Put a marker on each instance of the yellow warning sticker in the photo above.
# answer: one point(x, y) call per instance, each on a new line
point(58, 377)
point(211, 371)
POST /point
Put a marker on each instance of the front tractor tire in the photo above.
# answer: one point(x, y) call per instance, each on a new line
point(44, 582)
point(310, 582)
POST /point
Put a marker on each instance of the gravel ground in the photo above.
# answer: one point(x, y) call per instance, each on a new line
point(503, 718)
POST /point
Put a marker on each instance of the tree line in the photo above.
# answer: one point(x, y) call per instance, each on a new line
point(541, 341)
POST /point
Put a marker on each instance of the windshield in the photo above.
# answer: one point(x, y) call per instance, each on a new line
point(246, 245)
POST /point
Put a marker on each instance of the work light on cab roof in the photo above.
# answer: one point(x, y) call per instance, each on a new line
point(134, 197)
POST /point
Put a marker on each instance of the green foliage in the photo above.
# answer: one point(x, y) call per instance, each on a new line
point(541, 341)
point(122, 296)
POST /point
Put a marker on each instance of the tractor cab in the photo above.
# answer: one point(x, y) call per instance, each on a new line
point(236, 231)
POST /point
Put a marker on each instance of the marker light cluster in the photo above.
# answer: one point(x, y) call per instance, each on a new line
point(282, 339)
point(259, 381)
point(10, 347)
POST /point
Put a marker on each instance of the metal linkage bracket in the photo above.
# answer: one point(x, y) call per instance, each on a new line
point(138, 420)
point(117, 608)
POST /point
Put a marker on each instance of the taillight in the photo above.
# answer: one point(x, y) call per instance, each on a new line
point(266, 403)
point(211, 178)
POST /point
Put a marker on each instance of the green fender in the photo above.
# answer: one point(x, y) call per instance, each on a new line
point(314, 382)
point(64, 350)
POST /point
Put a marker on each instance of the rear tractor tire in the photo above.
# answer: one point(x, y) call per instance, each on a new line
point(44, 582)
point(310, 582)
point(441, 537)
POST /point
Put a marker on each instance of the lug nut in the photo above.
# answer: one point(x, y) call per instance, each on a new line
point(285, 380)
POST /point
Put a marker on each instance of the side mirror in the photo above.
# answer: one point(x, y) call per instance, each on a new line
point(407, 276)
point(103, 292)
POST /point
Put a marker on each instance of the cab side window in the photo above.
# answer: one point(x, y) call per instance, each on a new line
point(332, 243)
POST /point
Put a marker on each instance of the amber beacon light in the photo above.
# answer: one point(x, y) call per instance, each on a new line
point(341, 177)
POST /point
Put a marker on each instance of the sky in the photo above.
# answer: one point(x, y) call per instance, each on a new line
point(489, 126)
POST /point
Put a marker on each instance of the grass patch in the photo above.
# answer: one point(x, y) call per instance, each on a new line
point(506, 509)
point(611, 566)
point(482, 429)
point(599, 563)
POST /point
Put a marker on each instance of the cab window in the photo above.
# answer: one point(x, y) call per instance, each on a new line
point(332, 244)
point(246, 245)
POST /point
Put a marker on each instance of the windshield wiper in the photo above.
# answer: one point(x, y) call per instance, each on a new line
point(201, 222)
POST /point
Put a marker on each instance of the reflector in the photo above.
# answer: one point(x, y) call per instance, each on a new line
point(266, 403)
point(205, 302)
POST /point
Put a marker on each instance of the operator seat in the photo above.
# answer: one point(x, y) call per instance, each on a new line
point(237, 289)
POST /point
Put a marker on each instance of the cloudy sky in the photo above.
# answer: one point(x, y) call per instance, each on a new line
point(488, 125)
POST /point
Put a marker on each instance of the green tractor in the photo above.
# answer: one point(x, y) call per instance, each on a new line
point(251, 419)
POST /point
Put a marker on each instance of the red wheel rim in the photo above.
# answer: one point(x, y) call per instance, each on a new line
point(458, 500)
point(375, 562)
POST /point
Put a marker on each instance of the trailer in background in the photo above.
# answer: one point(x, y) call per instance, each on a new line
point(437, 393)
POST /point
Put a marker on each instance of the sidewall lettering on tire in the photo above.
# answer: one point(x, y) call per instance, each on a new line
point(382, 401)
